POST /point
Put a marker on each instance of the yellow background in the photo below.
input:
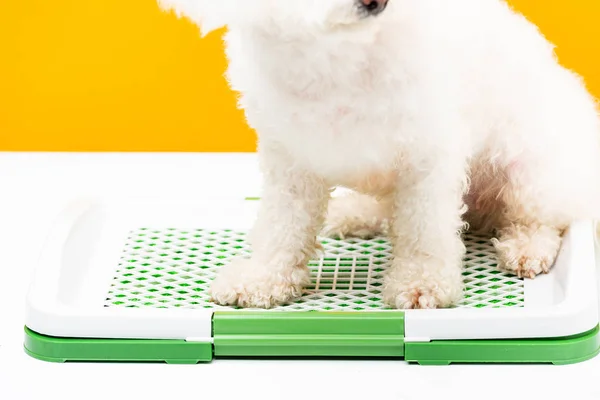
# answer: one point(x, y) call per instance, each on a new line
point(119, 75)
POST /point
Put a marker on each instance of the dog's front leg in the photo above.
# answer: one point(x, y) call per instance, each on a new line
point(428, 250)
point(283, 238)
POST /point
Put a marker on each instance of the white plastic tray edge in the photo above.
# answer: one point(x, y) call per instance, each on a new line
point(45, 314)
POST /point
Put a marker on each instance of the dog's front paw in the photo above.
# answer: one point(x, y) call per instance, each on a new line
point(245, 283)
point(409, 285)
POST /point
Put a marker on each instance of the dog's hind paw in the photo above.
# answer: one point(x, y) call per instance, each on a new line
point(527, 251)
point(356, 215)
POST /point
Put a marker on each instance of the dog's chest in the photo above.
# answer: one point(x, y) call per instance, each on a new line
point(341, 143)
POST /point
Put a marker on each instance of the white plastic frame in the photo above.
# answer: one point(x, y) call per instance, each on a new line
point(77, 265)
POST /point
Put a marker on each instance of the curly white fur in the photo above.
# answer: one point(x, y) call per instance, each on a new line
point(445, 112)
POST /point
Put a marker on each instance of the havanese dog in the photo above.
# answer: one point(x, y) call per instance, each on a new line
point(438, 116)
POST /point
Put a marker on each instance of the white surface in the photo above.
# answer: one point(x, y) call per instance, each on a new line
point(79, 259)
point(36, 187)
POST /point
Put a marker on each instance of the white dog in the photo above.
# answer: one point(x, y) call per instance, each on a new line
point(436, 113)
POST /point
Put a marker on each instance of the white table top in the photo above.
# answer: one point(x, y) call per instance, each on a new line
point(35, 187)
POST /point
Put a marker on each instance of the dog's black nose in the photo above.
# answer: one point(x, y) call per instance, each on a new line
point(373, 7)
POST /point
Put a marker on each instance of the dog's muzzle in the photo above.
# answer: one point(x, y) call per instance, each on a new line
point(372, 7)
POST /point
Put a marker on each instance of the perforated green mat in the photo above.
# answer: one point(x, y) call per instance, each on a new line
point(173, 268)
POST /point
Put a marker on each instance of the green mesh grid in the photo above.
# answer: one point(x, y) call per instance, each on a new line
point(173, 268)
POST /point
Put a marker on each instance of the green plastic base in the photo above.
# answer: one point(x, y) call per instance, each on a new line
point(53, 349)
point(253, 336)
point(298, 334)
point(559, 351)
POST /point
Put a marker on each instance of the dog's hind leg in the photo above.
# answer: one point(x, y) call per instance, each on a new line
point(529, 224)
point(551, 155)
point(358, 215)
point(528, 236)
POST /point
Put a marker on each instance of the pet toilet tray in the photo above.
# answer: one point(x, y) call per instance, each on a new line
point(127, 280)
